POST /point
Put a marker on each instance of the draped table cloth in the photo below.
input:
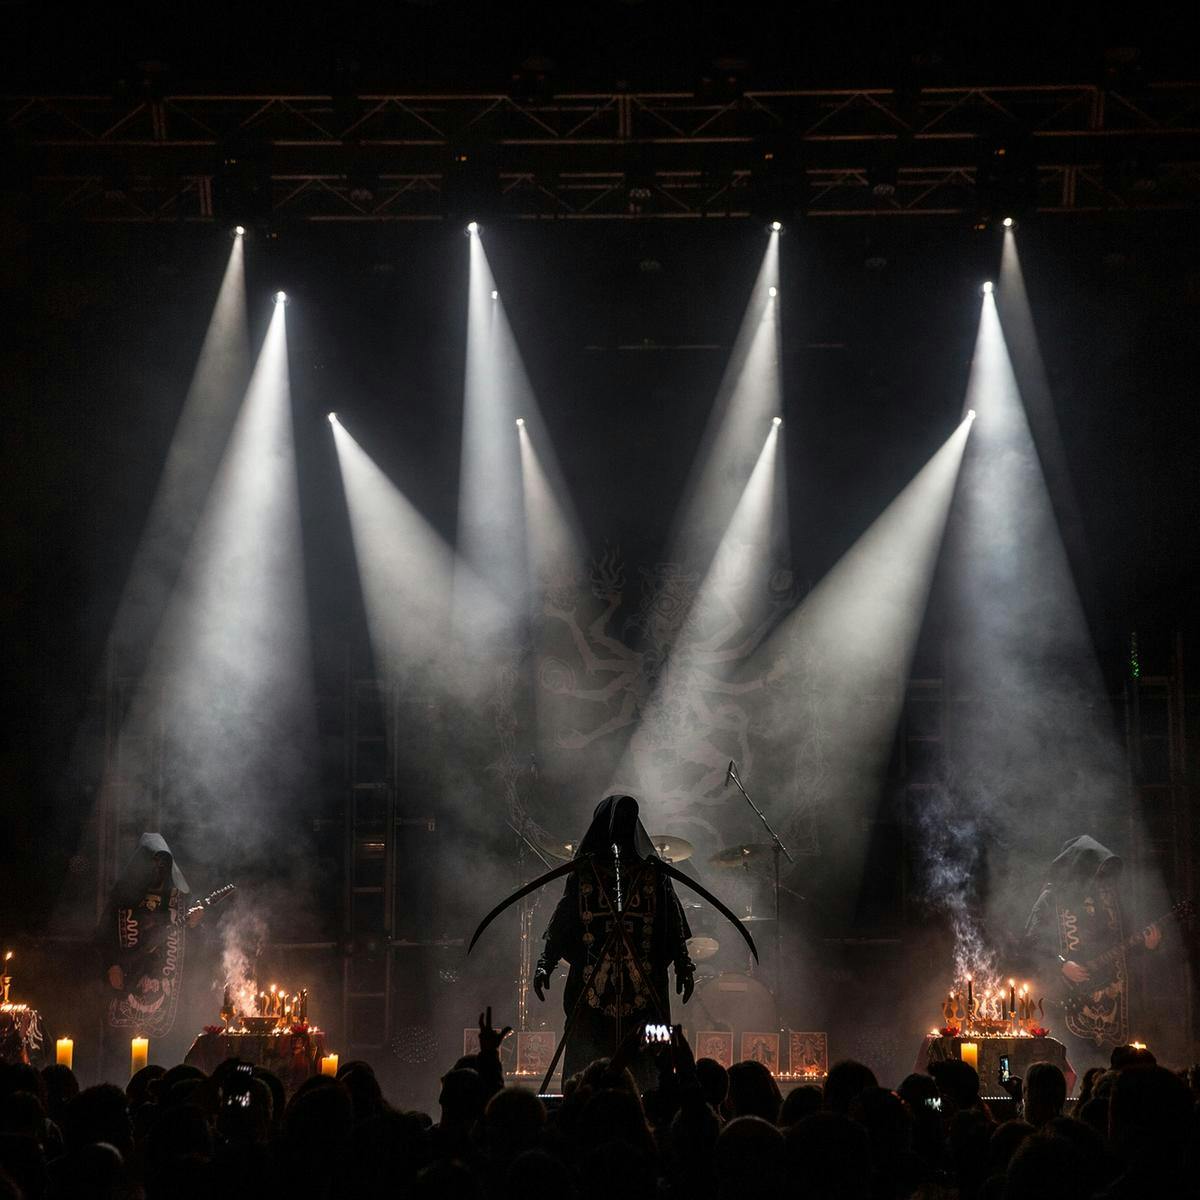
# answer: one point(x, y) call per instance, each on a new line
point(1022, 1053)
point(293, 1057)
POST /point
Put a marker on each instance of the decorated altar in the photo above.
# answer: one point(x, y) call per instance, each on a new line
point(291, 1055)
point(1022, 1052)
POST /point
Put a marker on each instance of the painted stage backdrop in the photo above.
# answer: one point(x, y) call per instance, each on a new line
point(650, 679)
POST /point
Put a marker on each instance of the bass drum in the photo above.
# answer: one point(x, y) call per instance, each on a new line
point(732, 1003)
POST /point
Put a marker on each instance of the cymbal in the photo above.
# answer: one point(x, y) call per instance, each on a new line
point(755, 917)
point(560, 850)
point(701, 948)
point(747, 854)
point(672, 849)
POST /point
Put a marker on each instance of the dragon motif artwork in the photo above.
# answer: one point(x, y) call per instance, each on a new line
point(678, 688)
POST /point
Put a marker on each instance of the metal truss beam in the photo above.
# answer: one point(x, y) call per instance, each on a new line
point(867, 152)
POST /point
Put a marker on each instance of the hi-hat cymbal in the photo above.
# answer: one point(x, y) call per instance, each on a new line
point(671, 849)
point(702, 948)
point(754, 917)
point(745, 855)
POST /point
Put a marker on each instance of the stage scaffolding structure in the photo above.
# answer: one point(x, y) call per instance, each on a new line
point(1162, 784)
point(975, 152)
point(387, 818)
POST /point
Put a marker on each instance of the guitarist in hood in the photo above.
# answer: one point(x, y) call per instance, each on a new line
point(1077, 921)
point(142, 937)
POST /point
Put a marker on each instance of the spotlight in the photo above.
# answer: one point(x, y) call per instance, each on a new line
point(776, 421)
point(772, 292)
point(520, 422)
point(970, 414)
point(776, 226)
point(333, 418)
point(239, 230)
point(495, 295)
point(1007, 222)
point(472, 226)
point(988, 287)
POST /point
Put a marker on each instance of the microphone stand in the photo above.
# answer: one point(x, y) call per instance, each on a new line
point(777, 848)
point(528, 907)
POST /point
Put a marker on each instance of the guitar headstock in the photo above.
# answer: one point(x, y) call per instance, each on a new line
point(222, 893)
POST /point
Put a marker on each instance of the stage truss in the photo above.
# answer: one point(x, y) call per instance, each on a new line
point(870, 152)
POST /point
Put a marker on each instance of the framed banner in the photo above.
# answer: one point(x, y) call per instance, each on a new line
point(762, 1048)
point(712, 1043)
point(808, 1053)
point(507, 1047)
point(535, 1049)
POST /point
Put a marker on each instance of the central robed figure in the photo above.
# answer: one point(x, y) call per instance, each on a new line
point(618, 978)
point(620, 926)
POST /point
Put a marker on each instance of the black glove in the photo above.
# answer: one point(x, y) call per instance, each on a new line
point(541, 977)
point(685, 979)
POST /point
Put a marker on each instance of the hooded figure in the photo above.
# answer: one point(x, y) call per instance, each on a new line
point(1077, 921)
point(142, 938)
point(616, 983)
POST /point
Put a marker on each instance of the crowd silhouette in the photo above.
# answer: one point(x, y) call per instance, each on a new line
point(701, 1133)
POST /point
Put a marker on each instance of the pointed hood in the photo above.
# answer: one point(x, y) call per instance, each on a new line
point(1081, 859)
point(139, 870)
point(616, 820)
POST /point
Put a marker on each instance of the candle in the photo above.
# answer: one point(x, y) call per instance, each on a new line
point(64, 1053)
point(969, 1053)
point(970, 998)
point(329, 1064)
point(139, 1054)
point(1012, 995)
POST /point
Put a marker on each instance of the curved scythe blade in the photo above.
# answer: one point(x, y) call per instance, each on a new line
point(680, 877)
point(540, 881)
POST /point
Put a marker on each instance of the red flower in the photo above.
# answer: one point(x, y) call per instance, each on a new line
point(1038, 1031)
point(950, 1031)
point(300, 1027)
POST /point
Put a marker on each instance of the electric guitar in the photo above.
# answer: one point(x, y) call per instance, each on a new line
point(1075, 995)
point(130, 965)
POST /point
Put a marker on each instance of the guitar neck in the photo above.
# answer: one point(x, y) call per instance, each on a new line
point(1128, 944)
point(212, 898)
point(1112, 952)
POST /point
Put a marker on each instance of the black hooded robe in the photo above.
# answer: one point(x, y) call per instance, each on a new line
point(144, 932)
point(1078, 917)
point(625, 988)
